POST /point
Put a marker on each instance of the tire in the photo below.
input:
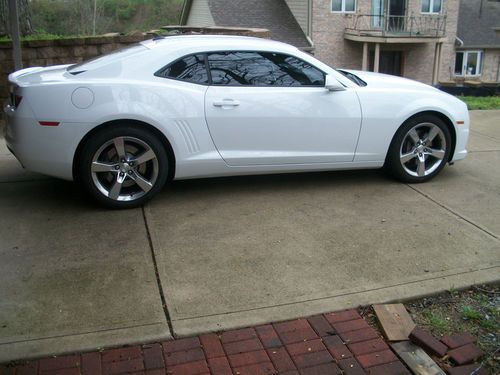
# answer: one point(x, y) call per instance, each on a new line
point(123, 166)
point(419, 150)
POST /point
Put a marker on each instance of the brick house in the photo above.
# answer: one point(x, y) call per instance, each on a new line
point(412, 38)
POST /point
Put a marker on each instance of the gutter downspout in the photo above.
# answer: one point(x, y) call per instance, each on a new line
point(498, 72)
point(309, 21)
point(185, 11)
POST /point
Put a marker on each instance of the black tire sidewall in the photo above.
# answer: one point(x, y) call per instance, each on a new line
point(106, 134)
point(393, 164)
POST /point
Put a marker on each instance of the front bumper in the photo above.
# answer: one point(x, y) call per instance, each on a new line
point(462, 133)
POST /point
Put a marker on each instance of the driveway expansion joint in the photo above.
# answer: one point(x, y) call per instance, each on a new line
point(485, 135)
point(157, 275)
point(453, 212)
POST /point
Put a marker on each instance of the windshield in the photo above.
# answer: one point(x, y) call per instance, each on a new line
point(100, 61)
point(352, 77)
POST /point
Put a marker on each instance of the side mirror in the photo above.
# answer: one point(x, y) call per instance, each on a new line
point(331, 84)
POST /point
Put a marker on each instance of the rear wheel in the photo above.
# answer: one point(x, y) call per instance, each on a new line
point(420, 149)
point(123, 166)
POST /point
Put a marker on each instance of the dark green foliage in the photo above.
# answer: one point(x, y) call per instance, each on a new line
point(76, 17)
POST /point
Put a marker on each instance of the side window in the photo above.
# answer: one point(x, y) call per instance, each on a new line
point(304, 72)
point(188, 68)
point(239, 68)
point(262, 69)
point(344, 6)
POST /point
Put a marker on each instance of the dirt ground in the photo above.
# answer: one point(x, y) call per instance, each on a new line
point(475, 310)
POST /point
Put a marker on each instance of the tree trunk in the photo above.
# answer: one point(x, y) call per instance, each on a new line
point(25, 24)
point(4, 18)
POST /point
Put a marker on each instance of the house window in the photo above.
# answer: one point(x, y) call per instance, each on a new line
point(468, 63)
point(344, 6)
point(432, 6)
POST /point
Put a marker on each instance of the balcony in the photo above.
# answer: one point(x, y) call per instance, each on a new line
point(396, 29)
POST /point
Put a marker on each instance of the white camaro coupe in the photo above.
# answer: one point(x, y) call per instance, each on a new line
point(183, 107)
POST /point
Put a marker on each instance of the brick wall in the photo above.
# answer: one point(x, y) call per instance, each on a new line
point(491, 66)
point(328, 37)
point(448, 49)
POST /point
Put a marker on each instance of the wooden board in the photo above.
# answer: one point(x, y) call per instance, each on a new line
point(416, 359)
point(395, 321)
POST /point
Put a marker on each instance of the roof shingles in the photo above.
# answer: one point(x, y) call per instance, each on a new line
point(476, 22)
point(273, 15)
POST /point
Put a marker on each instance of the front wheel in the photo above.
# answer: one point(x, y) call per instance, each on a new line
point(420, 149)
point(123, 166)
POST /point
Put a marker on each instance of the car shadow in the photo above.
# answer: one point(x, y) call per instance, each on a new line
point(66, 195)
point(63, 195)
point(49, 194)
point(276, 182)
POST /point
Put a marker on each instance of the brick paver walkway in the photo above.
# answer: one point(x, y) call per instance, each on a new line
point(334, 343)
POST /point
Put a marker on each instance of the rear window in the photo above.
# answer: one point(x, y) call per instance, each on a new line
point(189, 68)
point(103, 60)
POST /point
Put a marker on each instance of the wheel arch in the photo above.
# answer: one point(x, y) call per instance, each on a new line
point(136, 123)
point(447, 121)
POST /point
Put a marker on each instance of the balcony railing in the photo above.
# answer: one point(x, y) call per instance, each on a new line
point(424, 26)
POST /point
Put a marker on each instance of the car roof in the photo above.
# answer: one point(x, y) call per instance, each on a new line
point(219, 42)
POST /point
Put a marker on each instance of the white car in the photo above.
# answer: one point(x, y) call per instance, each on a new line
point(184, 107)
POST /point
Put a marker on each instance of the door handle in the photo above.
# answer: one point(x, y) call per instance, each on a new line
point(226, 103)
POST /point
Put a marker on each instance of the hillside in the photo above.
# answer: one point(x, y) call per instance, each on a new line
point(76, 17)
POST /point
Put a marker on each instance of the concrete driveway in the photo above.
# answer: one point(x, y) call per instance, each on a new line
point(214, 254)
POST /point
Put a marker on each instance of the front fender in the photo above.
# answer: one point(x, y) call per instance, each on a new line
point(383, 117)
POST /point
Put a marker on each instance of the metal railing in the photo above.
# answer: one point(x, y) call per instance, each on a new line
point(397, 26)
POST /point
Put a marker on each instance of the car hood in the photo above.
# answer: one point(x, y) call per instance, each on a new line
point(386, 81)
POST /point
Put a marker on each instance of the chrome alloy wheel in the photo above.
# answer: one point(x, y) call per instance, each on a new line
point(124, 168)
point(423, 149)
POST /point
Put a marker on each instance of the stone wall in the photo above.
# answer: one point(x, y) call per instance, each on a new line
point(55, 52)
point(74, 50)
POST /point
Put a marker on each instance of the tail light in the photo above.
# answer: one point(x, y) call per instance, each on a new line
point(15, 99)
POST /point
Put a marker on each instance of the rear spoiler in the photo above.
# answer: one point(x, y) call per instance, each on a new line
point(13, 77)
point(16, 77)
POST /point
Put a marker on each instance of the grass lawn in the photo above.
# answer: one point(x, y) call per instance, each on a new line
point(476, 311)
point(481, 102)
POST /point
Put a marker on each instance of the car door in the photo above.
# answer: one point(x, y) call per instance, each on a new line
point(266, 108)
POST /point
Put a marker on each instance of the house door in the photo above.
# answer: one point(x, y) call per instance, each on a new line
point(396, 9)
point(391, 62)
point(378, 11)
point(388, 14)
